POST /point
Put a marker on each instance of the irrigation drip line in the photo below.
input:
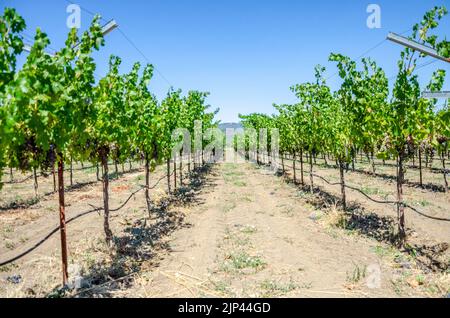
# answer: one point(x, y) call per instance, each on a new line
point(95, 209)
point(355, 189)
point(42, 241)
point(127, 200)
point(23, 180)
point(425, 215)
point(378, 201)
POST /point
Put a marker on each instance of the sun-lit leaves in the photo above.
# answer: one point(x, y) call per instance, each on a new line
point(359, 117)
point(11, 44)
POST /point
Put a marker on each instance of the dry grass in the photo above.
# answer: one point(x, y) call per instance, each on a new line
point(412, 275)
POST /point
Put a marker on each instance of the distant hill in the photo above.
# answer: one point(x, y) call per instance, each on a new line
point(224, 126)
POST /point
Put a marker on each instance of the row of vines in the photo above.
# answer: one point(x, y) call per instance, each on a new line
point(364, 116)
point(53, 112)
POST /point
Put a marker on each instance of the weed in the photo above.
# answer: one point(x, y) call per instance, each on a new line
point(240, 183)
point(359, 272)
point(233, 173)
point(228, 207)
point(249, 229)
point(274, 288)
point(372, 191)
point(336, 218)
point(221, 287)
point(382, 251)
point(242, 260)
point(247, 199)
point(423, 203)
point(420, 279)
point(398, 286)
point(8, 229)
point(139, 178)
point(10, 245)
point(7, 268)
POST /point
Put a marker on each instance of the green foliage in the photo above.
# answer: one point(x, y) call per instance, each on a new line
point(11, 44)
point(359, 116)
point(48, 99)
point(57, 110)
point(410, 118)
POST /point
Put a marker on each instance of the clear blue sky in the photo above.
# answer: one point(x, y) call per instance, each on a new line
point(246, 53)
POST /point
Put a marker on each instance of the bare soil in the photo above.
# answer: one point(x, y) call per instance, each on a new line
point(233, 230)
point(429, 200)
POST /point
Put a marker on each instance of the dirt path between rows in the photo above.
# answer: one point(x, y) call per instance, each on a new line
point(255, 237)
point(236, 231)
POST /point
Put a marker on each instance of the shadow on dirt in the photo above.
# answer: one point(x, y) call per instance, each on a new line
point(143, 241)
point(430, 256)
point(30, 202)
